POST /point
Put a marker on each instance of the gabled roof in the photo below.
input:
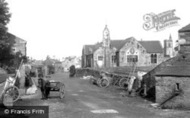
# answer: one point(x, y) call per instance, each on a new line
point(15, 38)
point(179, 67)
point(175, 71)
point(89, 49)
point(152, 46)
point(185, 28)
point(118, 44)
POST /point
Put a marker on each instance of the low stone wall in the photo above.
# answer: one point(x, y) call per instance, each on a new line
point(80, 72)
point(165, 89)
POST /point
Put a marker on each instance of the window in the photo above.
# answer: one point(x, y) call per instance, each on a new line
point(113, 58)
point(153, 58)
point(138, 46)
point(132, 58)
point(177, 88)
point(100, 58)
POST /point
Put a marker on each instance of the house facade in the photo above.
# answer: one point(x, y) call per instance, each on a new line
point(19, 45)
point(114, 53)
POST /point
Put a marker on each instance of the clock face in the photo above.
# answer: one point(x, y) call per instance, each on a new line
point(106, 34)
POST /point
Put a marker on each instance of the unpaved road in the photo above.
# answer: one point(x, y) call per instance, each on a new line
point(83, 100)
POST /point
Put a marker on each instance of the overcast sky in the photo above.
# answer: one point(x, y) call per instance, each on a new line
point(61, 27)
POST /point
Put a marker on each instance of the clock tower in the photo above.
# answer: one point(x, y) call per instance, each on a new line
point(106, 47)
point(106, 37)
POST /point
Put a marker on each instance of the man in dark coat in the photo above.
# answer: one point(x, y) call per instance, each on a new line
point(44, 86)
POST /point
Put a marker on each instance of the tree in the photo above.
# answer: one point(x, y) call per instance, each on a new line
point(72, 71)
point(5, 42)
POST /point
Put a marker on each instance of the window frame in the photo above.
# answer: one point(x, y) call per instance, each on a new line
point(130, 59)
point(153, 58)
point(102, 58)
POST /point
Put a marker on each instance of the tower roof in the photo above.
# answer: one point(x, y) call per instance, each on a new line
point(170, 38)
point(106, 28)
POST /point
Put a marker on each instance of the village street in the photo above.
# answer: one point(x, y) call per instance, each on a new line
point(83, 100)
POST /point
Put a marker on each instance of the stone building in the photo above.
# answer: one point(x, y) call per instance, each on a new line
point(174, 79)
point(20, 44)
point(112, 53)
point(170, 80)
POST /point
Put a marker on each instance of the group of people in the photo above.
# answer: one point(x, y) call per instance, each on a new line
point(24, 81)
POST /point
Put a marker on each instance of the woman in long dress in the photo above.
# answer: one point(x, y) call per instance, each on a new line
point(28, 81)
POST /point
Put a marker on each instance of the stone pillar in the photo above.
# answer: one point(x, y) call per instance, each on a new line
point(106, 58)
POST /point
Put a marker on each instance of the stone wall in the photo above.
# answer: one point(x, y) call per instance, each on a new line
point(165, 87)
point(144, 58)
point(149, 78)
point(125, 51)
point(98, 52)
point(20, 45)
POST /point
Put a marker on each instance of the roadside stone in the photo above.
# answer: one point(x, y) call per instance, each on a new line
point(7, 100)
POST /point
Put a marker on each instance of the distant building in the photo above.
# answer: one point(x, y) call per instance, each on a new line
point(69, 61)
point(168, 47)
point(20, 44)
point(112, 53)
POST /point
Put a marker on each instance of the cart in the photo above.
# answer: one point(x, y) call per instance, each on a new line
point(10, 92)
point(57, 86)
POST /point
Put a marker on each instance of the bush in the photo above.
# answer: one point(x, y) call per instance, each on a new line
point(51, 69)
point(72, 71)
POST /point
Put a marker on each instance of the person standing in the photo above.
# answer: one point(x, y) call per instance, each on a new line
point(28, 81)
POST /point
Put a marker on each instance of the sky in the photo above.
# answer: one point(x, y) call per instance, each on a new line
point(60, 28)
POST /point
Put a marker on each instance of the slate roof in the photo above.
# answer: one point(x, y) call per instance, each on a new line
point(15, 38)
point(152, 46)
point(89, 49)
point(118, 44)
point(179, 67)
point(185, 28)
